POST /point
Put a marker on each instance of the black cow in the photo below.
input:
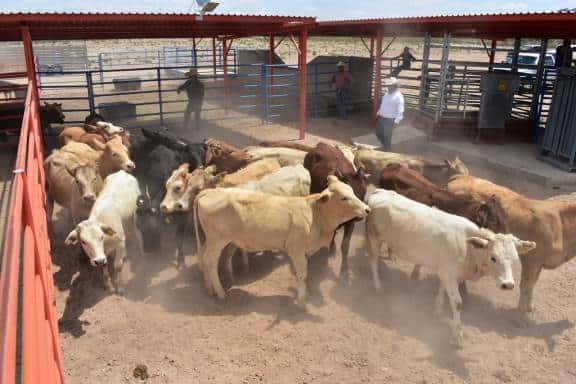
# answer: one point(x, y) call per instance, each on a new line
point(157, 154)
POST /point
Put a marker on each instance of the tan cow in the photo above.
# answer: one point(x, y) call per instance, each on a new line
point(113, 158)
point(71, 182)
point(437, 172)
point(96, 137)
point(285, 156)
point(551, 224)
point(182, 186)
point(255, 221)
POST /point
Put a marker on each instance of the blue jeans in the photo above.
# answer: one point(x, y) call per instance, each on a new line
point(384, 129)
point(341, 97)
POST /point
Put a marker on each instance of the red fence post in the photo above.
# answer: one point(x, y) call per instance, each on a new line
point(302, 60)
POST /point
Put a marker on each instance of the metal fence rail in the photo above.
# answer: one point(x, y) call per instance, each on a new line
point(27, 246)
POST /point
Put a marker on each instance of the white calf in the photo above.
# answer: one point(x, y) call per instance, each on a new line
point(452, 246)
point(111, 219)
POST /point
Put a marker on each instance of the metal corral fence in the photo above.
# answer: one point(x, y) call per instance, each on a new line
point(29, 340)
point(133, 95)
point(151, 93)
point(462, 94)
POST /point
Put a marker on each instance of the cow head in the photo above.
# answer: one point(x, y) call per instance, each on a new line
point(357, 180)
point(92, 236)
point(149, 223)
point(493, 253)
point(109, 129)
point(118, 155)
point(490, 214)
point(340, 200)
point(88, 180)
point(225, 157)
point(456, 167)
point(182, 187)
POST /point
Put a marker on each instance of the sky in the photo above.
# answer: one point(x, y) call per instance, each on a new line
point(322, 9)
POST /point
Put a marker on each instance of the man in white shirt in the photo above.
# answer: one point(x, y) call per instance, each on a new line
point(390, 114)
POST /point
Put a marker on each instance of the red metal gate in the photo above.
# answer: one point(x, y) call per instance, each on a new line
point(26, 243)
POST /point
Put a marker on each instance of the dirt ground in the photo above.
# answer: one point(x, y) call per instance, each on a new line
point(349, 334)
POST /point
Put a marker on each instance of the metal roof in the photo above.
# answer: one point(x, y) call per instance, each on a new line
point(69, 26)
point(503, 25)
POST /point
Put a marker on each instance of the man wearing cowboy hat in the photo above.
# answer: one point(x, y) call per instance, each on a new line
point(195, 91)
point(342, 81)
point(390, 114)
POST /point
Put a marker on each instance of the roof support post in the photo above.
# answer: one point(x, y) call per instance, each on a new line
point(29, 56)
point(424, 83)
point(194, 55)
point(271, 54)
point(225, 64)
point(377, 74)
point(515, 54)
point(492, 55)
point(302, 60)
point(442, 80)
point(537, 89)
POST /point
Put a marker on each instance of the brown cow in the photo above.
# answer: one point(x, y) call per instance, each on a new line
point(225, 157)
point(326, 160)
point(551, 224)
point(486, 213)
point(95, 136)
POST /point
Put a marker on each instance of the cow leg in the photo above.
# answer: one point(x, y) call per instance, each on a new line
point(211, 258)
point(374, 256)
point(228, 255)
point(439, 301)
point(245, 262)
point(180, 232)
point(106, 278)
point(300, 264)
point(455, 301)
point(415, 275)
point(530, 274)
point(118, 267)
point(345, 248)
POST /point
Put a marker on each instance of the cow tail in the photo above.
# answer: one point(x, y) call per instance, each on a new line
point(196, 225)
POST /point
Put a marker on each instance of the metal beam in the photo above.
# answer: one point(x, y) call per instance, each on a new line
point(515, 54)
point(388, 46)
point(377, 75)
point(303, 81)
point(538, 88)
point(492, 55)
point(443, 72)
point(424, 72)
point(29, 56)
point(214, 55)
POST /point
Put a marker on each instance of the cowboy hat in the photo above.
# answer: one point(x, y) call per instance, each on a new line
point(390, 81)
point(191, 72)
point(340, 64)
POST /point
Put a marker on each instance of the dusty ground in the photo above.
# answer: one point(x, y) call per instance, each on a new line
point(349, 334)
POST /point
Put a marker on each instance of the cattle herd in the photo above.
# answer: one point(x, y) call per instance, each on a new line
point(289, 198)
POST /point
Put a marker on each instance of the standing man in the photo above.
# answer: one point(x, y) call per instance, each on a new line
point(195, 91)
point(390, 114)
point(342, 81)
point(564, 54)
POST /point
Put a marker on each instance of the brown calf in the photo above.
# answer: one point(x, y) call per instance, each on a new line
point(326, 160)
point(487, 214)
point(225, 157)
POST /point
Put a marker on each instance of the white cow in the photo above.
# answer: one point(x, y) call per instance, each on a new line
point(111, 220)
point(452, 246)
point(255, 221)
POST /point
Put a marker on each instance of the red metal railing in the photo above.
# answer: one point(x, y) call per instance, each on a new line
point(26, 241)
